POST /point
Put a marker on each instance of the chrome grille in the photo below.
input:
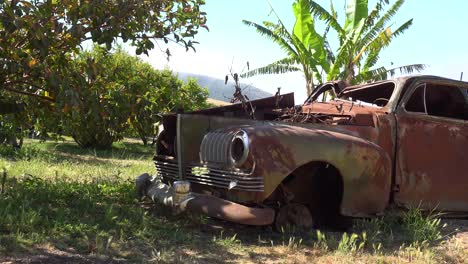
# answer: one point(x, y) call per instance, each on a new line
point(214, 177)
point(215, 147)
point(167, 169)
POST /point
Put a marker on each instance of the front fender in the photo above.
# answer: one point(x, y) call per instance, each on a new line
point(365, 167)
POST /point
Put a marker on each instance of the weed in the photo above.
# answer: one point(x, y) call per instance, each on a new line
point(352, 243)
point(377, 248)
point(321, 240)
point(422, 228)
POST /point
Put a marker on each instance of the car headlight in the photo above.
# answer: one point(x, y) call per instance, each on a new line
point(239, 148)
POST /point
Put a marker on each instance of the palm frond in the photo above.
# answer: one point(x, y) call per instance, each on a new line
point(304, 25)
point(341, 60)
point(275, 37)
point(281, 66)
point(318, 76)
point(375, 13)
point(356, 13)
point(276, 28)
point(371, 60)
point(330, 19)
point(402, 28)
point(407, 69)
point(381, 41)
point(382, 73)
point(380, 24)
point(326, 45)
point(371, 76)
point(385, 38)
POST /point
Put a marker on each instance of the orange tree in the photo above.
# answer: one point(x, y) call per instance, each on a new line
point(40, 38)
point(111, 92)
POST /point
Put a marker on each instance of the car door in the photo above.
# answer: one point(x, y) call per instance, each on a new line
point(432, 146)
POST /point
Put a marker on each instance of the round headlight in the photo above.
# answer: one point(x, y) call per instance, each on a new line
point(239, 149)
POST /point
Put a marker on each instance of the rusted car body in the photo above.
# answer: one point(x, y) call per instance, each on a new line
point(398, 143)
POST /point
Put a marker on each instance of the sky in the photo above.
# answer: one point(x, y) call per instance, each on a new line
point(438, 38)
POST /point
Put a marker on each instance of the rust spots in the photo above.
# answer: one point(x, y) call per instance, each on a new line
point(365, 133)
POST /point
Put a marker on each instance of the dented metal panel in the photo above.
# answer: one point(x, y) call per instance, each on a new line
point(432, 163)
point(279, 149)
point(382, 153)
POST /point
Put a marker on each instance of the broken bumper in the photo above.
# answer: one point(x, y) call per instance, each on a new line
point(181, 198)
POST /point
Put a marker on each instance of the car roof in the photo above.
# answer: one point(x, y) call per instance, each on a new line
point(403, 80)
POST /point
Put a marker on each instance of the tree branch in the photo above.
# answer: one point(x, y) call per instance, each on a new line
point(47, 98)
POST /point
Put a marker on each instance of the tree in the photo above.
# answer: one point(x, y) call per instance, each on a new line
point(361, 39)
point(304, 46)
point(109, 92)
point(38, 39)
point(364, 35)
point(166, 93)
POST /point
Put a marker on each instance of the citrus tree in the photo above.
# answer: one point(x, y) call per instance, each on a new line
point(110, 92)
point(38, 39)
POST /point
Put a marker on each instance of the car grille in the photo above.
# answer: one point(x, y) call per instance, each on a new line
point(214, 177)
point(215, 147)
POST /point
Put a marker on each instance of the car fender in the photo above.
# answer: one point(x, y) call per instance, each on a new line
point(365, 167)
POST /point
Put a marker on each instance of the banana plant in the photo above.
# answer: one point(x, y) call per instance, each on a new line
point(364, 35)
point(361, 39)
point(305, 48)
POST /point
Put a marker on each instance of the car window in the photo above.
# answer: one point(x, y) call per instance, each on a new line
point(439, 100)
point(379, 94)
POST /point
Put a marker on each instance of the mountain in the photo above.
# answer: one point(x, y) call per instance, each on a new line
point(219, 91)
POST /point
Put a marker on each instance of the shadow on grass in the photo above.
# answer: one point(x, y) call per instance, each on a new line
point(98, 219)
point(70, 151)
point(103, 222)
point(119, 150)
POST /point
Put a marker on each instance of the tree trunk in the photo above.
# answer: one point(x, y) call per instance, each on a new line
point(308, 87)
point(349, 74)
point(309, 80)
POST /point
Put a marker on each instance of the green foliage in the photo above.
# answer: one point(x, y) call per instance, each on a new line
point(422, 228)
point(361, 39)
point(109, 92)
point(321, 240)
point(352, 243)
point(39, 38)
point(62, 198)
point(12, 122)
point(304, 46)
point(364, 35)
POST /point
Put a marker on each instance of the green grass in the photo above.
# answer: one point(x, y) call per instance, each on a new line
point(60, 198)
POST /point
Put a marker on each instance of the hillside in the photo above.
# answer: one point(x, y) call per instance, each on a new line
point(219, 91)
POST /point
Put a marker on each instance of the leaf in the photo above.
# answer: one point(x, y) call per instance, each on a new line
point(27, 4)
point(284, 43)
point(330, 19)
point(356, 13)
point(32, 62)
point(282, 66)
point(304, 22)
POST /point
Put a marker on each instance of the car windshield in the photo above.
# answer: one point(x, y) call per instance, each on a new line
point(378, 94)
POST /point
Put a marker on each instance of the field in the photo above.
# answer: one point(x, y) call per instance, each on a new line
point(60, 203)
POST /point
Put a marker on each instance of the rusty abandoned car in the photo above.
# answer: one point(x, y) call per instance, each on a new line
point(398, 143)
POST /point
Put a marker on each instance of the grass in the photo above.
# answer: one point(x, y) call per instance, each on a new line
point(65, 204)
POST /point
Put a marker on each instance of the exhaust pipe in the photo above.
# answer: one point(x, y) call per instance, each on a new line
point(179, 197)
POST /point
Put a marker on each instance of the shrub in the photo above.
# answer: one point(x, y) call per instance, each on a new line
point(108, 93)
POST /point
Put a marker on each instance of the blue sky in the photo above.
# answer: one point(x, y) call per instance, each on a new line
point(437, 38)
